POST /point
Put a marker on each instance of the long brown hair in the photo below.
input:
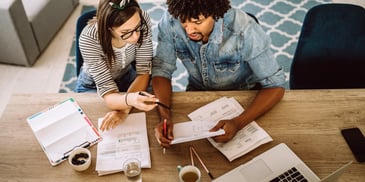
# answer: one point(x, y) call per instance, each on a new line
point(110, 14)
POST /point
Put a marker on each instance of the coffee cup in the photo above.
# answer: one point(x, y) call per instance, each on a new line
point(80, 159)
point(189, 173)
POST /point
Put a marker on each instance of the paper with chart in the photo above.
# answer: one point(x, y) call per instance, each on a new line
point(128, 140)
point(247, 139)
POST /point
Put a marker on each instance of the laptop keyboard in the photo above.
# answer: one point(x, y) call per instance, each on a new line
point(291, 175)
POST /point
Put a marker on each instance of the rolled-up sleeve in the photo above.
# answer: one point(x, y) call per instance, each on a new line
point(261, 58)
point(94, 60)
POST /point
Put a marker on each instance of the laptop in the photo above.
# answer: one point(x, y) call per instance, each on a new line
point(277, 164)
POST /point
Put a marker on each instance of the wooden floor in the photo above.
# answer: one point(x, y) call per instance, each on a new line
point(46, 74)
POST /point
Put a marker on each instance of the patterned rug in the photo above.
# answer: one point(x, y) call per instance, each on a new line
point(281, 19)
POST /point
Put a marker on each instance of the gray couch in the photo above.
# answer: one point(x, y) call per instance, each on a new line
point(28, 26)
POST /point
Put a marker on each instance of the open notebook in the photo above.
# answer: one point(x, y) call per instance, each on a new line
point(279, 163)
point(61, 128)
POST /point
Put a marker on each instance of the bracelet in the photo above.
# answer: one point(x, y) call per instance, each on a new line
point(126, 99)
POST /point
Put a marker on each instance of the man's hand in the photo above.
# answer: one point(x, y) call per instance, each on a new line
point(159, 133)
point(230, 129)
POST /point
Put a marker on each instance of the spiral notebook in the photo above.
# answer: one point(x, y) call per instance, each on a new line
point(61, 128)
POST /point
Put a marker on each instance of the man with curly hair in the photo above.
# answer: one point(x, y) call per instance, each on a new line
point(222, 48)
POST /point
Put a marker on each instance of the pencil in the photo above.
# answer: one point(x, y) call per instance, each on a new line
point(191, 156)
point(202, 163)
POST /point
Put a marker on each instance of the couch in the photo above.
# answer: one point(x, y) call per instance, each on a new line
point(28, 26)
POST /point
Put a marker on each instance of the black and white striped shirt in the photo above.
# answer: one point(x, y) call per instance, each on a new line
point(95, 63)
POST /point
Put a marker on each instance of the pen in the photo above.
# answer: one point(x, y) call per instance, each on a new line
point(159, 103)
point(164, 134)
point(86, 144)
point(202, 163)
point(163, 105)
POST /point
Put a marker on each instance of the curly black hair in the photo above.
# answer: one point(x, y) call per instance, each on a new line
point(188, 9)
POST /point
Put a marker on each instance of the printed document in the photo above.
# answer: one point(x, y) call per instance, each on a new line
point(193, 130)
point(245, 140)
point(128, 140)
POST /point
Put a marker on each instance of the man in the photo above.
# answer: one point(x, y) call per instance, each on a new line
point(222, 48)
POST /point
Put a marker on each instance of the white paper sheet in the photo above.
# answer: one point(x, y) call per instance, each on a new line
point(193, 130)
point(128, 140)
point(247, 139)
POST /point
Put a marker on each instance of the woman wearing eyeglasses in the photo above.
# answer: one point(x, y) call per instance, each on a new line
point(116, 47)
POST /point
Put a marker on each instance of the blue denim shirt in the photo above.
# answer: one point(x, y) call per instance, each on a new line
point(237, 55)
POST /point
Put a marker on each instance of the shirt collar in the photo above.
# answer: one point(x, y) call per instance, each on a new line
point(217, 34)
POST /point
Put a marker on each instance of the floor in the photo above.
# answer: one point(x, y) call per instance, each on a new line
point(46, 74)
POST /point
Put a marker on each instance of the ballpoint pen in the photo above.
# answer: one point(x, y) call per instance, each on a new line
point(163, 105)
point(159, 103)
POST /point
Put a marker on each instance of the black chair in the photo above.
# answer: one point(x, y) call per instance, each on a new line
point(80, 24)
point(331, 49)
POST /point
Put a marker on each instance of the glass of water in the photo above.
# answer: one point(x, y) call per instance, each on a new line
point(132, 169)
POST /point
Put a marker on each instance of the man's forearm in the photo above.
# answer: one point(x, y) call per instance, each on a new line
point(163, 91)
point(264, 100)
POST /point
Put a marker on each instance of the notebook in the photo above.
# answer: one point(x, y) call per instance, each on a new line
point(269, 165)
point(61, 128)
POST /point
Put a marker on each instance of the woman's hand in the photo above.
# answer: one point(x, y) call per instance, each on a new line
point(113, 118)
point(141, 100)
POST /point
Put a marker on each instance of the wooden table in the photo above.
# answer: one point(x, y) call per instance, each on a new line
point(309, 122)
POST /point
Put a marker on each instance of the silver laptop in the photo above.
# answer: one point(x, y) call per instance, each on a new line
point(276, 164)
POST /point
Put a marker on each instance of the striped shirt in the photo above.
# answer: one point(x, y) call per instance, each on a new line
point(95, 64)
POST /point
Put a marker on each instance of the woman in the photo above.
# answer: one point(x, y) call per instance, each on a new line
point(117, 50)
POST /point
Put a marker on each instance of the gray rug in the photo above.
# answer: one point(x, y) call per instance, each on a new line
point(281, 19)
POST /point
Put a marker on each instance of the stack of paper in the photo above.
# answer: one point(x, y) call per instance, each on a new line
point(128, 140)
point(61, 128)
point(247, 139)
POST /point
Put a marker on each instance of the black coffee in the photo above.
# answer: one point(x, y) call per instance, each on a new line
point(80, 159)
point(189, 177)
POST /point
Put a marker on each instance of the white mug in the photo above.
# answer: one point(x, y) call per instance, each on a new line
point(80, 159)
point(189, 173)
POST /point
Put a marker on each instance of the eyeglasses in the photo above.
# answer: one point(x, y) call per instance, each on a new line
point(139, 28)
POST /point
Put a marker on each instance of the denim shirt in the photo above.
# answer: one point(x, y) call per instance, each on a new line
point(237, 55)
